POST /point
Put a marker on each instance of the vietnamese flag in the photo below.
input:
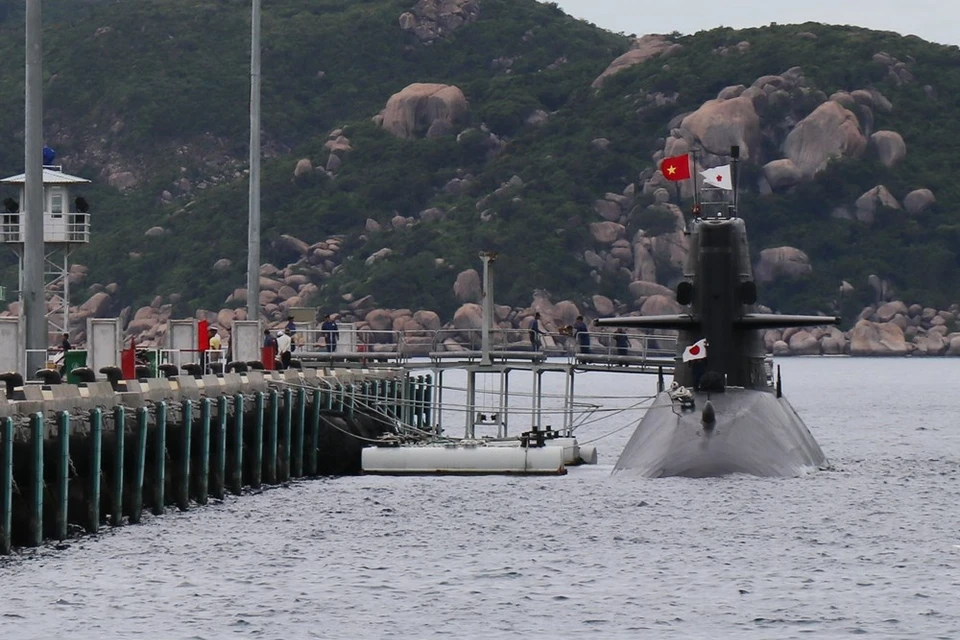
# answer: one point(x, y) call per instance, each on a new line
point(676, 168)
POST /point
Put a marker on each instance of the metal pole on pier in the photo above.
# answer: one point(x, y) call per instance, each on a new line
point(34, 305)
point(488, 257)
point(253, 229)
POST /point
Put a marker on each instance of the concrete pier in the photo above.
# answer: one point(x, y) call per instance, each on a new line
point(74, 458)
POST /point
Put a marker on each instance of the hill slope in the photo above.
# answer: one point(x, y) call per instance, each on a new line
point(149, 99)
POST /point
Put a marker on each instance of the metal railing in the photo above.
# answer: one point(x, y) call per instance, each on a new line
point(65, 227)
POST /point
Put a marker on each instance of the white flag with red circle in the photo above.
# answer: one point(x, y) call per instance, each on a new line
point(696, 351)
point(718, 177)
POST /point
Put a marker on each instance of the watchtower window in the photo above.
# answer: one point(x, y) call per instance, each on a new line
point(56, 203)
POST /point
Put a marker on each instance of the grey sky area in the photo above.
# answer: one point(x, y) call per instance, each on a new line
point(934, 20)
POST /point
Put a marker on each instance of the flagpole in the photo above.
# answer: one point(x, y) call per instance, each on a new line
point(696, 187)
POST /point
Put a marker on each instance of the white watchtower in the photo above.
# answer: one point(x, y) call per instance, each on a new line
point(66, 225)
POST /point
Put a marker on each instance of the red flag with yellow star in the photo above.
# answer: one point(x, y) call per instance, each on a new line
point(676, 168)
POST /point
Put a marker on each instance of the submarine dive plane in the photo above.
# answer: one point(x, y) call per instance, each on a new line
point(723, 414)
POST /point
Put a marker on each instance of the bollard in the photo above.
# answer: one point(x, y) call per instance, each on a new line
point(63, 472)
point(6, 484)
point(236, 477)
point(160, 460)
point(286, 425)
point(96, 460)
point(143, 421)
point(183, 481)
point(273, 417)
point(256, 473)
point(203, 480)
point(36, 480)
point(296, 466)
point(314, 434)
point(119, 432)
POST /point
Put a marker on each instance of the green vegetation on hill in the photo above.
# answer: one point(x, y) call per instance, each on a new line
point(160, 88)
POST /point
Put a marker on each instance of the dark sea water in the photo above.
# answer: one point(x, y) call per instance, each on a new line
point(870, 548)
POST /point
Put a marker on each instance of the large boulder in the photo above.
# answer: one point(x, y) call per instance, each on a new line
point(720, 124)
point(607, 232)
point(468, 317)
point(467, 288)
point(565, 312)
point(643, 49)
point(887, 312)
point(642, 289)
point(658, 305)
point(890, 147)
point(416, 108)
point(433, 19)
point(877, 339)
point(830, 131)
point(780, 262)
point(603, 305)
point(427, 319)
point(869, 202)
point(781, 174)
point(803, 343)
point(379, 320)
point(918, 201)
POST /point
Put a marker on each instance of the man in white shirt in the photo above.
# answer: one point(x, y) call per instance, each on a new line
point(283, 348)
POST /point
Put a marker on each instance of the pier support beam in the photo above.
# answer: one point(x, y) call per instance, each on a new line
point(311, 462)
point(220, 450)
point(96, 463)
point(160, 459)
point(6, 484)
point(36, 480)
point(299, 424)
point(256, 470)
point(273, 417)
point(204, 479)
point(183, 471)
point(63, 472)
point(143, 422)
point(286, 428)
point(119, 432)
point(236, 473)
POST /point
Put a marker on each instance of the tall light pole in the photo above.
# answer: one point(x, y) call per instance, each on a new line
point(34, 303)
point(253, 221)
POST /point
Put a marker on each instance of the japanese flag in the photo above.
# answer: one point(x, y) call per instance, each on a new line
point(696, 351)
point(718, 177)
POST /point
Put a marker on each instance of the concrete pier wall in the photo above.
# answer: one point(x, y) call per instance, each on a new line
point(74, 458)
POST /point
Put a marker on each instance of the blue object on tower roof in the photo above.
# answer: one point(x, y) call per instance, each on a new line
point(49, 155)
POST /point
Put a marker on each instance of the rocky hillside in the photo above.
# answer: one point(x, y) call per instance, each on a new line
point(402, 137)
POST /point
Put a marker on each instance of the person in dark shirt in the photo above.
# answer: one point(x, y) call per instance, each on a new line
point(65, 343)
point(623, 343)
point(535, 332)
point(331, 333)
point(581, 334)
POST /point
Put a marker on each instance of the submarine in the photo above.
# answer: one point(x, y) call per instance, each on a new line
point(724, 412)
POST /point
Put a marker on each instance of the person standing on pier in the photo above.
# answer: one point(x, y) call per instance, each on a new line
point(535, 332)
point(330, 332)
point(215, 346)
point(283, 346)
point(65, 343)
point(582, 335)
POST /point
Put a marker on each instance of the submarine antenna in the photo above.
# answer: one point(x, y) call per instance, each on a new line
point(735, 176)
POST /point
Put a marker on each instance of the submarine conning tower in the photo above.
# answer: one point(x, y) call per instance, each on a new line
point(719, 287)
point(721, 294)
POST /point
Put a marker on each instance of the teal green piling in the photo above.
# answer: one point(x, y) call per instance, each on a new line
point(36, 481)
point(296, 467)
point(256, 477)
point(286, 429)
point(220, 457)
point(236, 477)
point(372, 398)
point(410, 399)
point(328, 398)
point(392, 392)
point(314, 434)
point(273, 418)
point(160, 461)
point(63, 472)
point(204, 479)
point(427, 400)
point(6, 484)
point(351, 398)
point(96, 466)
point(183, 482)
point(339, 400)
point(119, 432)
point(143, 422)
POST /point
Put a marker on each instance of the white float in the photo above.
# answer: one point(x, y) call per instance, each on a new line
point(463, 459)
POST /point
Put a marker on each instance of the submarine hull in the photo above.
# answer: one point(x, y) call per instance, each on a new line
point(752, 432)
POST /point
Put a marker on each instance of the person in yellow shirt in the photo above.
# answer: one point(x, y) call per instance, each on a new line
point(215, 347)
